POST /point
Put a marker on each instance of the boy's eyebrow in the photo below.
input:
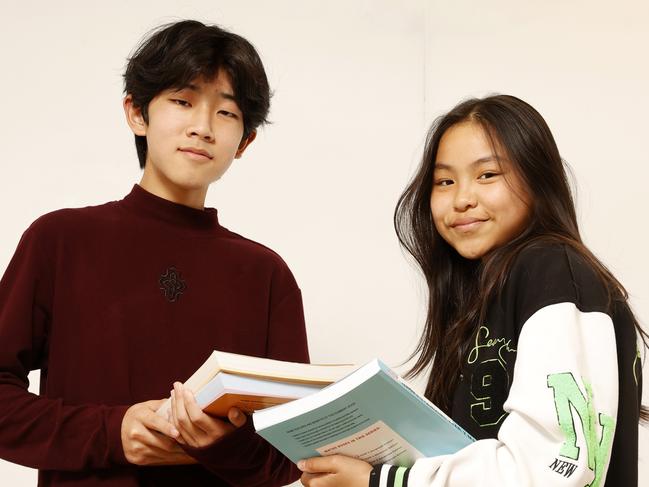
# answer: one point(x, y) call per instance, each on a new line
point(482, 160)
point(228, 96)
point(193, 87)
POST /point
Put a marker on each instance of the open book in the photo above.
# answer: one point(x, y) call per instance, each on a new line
point(372, 414)
point(227, 379)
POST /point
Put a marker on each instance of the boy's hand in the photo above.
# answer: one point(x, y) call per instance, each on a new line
point(196, 428)
point(334, 471)
point(149, 439)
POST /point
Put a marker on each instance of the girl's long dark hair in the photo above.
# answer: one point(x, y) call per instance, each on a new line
point(459, 289)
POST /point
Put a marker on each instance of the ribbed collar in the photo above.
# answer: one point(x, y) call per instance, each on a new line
point(148, 204)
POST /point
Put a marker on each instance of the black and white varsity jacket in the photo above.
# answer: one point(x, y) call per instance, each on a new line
point(550, 387)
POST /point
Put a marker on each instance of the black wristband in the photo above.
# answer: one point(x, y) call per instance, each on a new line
point(375, 476)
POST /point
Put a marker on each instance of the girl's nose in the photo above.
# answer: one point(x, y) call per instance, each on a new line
point(465, 198)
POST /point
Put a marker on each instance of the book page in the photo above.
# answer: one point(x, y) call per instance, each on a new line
point(376, 444)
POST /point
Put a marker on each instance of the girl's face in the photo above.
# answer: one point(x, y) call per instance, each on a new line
point(478, 202)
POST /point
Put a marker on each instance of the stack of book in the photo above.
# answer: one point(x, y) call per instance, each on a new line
point(366, 412)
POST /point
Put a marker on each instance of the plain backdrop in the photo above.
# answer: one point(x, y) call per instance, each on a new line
point(356, 85)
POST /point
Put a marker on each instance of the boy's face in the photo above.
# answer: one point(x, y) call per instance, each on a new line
point(193, 134)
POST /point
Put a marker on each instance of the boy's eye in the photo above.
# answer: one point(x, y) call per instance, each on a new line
point(178, 101)
point(228, 114)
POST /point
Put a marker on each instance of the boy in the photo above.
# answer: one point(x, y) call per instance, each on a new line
point(115, 302)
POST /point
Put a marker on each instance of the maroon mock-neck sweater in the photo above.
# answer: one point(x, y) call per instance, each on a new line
point(115, 302)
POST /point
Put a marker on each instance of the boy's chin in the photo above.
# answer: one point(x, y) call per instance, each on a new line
point(191, 182)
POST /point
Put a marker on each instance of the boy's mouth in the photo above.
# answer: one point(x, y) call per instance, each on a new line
point(196, 151)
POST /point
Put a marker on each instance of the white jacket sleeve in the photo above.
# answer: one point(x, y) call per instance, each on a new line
point(561, 410)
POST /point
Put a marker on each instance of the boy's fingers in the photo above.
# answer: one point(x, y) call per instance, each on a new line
point(155, 404)
point(236, 417)
point(194, 412)
point(164, 444)
point(174, 420)
point(173, 410)
point(179, 407)
point(156, 442)
point(154, 421)
point(201, 422)
point(185, 426)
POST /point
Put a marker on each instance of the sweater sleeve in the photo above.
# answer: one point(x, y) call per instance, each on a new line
point(563, 403)
point(243, 457)
point(561, 412)
point(39, 431)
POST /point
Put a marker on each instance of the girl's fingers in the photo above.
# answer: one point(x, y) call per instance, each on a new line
point(319, 464)
point(335, 470)
point(308, 477)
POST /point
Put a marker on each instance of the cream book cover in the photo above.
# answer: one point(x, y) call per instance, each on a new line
point(251, 383)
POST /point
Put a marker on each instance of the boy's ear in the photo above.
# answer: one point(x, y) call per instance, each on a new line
point(245, 143)
point(134, 116)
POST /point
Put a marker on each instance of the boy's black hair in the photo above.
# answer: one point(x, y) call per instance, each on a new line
point(174, 54)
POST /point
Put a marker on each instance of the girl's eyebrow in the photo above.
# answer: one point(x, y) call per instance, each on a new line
point(477, 162)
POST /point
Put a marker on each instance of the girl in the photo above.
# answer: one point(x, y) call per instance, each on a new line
point(533, 342)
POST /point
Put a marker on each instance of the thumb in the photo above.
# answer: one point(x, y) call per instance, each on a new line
point(317, 465)
point(236, 417)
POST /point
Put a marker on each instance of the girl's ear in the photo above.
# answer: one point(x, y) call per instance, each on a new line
point(134, 116)
point(245, 143)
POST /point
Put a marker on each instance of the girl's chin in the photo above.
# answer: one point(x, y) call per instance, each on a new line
point(471, 253)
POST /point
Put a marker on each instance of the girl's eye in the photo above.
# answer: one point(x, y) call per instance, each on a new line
point(443, 182)
point(182, 103)
point(488, 175)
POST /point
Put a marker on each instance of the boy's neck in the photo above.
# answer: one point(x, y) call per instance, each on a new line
point(159, 186)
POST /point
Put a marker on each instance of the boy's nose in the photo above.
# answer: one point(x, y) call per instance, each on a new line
point(201, 127)
point(206, 135)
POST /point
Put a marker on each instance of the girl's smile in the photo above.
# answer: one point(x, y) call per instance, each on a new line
point(477, 202)
point(467, 224)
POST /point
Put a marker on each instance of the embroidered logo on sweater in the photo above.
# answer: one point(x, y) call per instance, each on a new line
point(172, 284)
point(575, 410)
point(489, 377)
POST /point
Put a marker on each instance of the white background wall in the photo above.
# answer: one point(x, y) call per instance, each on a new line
point(356, 84)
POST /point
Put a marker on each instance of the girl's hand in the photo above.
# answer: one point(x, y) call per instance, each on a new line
point(334, 471)
point(197, 429)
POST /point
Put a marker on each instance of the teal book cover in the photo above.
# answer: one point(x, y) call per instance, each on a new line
point(371, 414)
